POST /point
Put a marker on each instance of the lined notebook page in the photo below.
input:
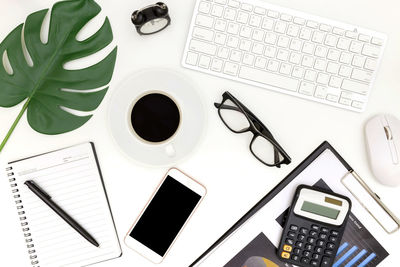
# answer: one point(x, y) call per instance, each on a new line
point(71, 177)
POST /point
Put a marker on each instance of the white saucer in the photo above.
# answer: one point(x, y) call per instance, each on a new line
point(193, 118)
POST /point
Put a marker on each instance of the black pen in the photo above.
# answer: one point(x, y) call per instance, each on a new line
point(47, 199)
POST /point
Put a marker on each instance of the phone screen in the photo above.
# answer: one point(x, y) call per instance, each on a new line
point(165, 216)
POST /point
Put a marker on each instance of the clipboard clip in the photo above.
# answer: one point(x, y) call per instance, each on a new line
point(371, 202)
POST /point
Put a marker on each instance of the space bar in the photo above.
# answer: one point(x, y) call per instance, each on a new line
point(269, 78)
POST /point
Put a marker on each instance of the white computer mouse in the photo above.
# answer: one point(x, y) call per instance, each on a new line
point(383, 145)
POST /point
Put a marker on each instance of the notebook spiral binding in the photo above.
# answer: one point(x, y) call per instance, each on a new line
point(21, 213)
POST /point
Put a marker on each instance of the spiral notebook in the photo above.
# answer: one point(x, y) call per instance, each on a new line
point(72, 177)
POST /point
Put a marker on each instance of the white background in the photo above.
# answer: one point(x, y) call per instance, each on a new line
point(234, 179)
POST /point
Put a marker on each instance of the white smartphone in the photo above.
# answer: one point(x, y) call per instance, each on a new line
point(165, 215)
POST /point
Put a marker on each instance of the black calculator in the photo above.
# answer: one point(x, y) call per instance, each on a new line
point(314, 227)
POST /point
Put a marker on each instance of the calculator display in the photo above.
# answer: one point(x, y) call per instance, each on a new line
point(320, 210)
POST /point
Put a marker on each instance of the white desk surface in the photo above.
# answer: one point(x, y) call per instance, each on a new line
point(234, 179)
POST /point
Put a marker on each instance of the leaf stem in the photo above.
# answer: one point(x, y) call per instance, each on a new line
point(14, 124)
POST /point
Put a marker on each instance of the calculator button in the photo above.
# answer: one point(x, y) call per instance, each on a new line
point(320, 243)
point(296, 251)
point(323, 236)
point(324, 230)
point(330, 246)
point(313, 234)
point(305, 260)
point(315, 227)
point(318, 249)
point(289, 241)
point(285, 255)
point(314, 263)
point(328, 252)
point(306, 253)
point(299, 244)
point(334, 233)
point(287, 248)
point(294, 227)
point(291, 234)
point(332, 239)
point(303, 231)
point(295, 258)
point(308, 247)
point(301, 237)
point(316, 256)
point(311, 240)
point(325, 262)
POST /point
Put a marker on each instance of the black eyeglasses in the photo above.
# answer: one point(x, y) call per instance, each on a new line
point(240, 119)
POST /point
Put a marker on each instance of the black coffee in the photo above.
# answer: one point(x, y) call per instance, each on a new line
point(155, 117)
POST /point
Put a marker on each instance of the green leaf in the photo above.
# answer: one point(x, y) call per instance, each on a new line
point(43, 84)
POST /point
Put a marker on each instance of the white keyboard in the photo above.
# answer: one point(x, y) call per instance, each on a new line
point(284, 50)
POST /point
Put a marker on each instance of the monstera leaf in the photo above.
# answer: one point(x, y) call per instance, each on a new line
point(49, 90)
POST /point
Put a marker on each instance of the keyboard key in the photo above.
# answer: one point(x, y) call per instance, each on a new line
point(332, 98)
point(223, 52)
point(321, 243)
point(283, 55)
point(233, 3)
point(260, 63)
point(283, 41)
point(204, 7)
point(294, 58)
point(345, 101)
point(204, 21)
point(289, 241)
point(307, 89)
point(318, 250)
point(293, 30)
point(321, 51)
point(230, 13)
point(354, 86)
point(245, 45)
point(287, 248)
point(258, 35)
point(299, 21)
point(222, 2)
point(305, 34)
point(255, 21)
point(285, 68)
point(296, 251)
point(233, 28)
point(308, 48)
point(301, 237)
point(298, 72)
point(330, 246)
point(258, 49)
point(273, 65)
point(338, 31)
point(345, 58)
point(325, 28)
point(272, 14)
point(217, 11)
point(242, 17)
point(356, 47)
point(357, 104)
point(246, 7)
point(312, 24)
point(268, 24)
point(259, 10)
point(314, 263)
point(270, 38)
point(324, 230)
point(232, 42)
point(364, 38)
point(311, 240)
point(333, 54)
point(335, 82)
point(191, 58)
point(323, 78)
point(299, 244)
point(245, 32)
point(248, 59)
point(328, 252)
point(204, 62)
point(286, 17)
point(334, 233)
point(318, 37)
point(220, 38)
point(377, 41)
point(280, 27)
point(370, 64)
point(345, 71)
point(306, 253)
point(202, 47)
point(269, 79)
point(295, 258)
point(358, 61)
point(236, 55)
point(231, 68)
point(320, 64)
point(331, 40)
point(343, 44)
point(270, 51)
point(220, 25)
point(361, 75)
point(325, 262)
point(203, 34)
point(351, 34)
point(311, 76)
point(322, 236)
point(321, 92)
point(216, 65)
point(308, 247)
point(307, 61)
point(371, 51)
point(285, 255)
point(295, 45)
point(332, 68)
point(305, 260)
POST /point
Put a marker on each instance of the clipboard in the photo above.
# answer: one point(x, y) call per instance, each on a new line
point(284, 183)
